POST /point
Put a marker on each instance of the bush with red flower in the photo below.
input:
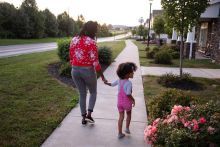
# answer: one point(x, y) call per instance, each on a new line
point(186, 126)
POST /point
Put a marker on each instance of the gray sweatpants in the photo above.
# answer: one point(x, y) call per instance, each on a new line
point(85, 77)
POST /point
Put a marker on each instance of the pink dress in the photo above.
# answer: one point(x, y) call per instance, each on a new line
point(124, 103)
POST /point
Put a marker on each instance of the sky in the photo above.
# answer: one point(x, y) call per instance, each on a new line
point(115, 12)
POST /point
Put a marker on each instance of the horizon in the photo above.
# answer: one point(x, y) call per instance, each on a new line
point(112, 12)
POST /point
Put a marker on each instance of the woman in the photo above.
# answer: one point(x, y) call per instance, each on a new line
point(85, 64)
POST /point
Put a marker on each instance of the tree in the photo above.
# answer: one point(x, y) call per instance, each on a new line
point(183, 15)
point(7, 16)
point(35, 27)
point(103, 31)
point(134, 31)
point(66, 25)
point(21, 29)
point(167, 29)
point(158, 25)
point(80, 21)
point(110, 27)
point(50, 24)
point(145, 33)
point(140, 31)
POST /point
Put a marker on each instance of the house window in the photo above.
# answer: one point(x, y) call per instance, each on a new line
point(203, 35)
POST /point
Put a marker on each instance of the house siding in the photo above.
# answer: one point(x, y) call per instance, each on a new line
point(215, 40)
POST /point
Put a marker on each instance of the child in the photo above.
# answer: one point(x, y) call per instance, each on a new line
point(125, 98)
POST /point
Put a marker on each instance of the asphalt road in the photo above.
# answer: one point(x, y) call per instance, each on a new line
point(15, 50)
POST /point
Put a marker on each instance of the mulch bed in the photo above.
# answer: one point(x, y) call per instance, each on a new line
point(185, 85)
point(53, 70)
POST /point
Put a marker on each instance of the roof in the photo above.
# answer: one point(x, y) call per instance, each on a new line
point(214, 1)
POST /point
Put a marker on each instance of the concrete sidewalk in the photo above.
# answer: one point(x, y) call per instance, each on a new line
point(195, 72)
point(104, 133)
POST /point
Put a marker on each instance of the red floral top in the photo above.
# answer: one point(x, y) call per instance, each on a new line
point(83, 52)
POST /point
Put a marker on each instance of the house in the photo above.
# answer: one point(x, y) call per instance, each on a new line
point(153, 15)
point(208, 31)
point(151, 20)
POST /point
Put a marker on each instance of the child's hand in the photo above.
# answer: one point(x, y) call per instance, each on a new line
point(109, 84)
point(133, 102)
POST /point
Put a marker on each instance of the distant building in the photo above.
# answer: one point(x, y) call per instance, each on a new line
point(153, 15)
point(208, 31)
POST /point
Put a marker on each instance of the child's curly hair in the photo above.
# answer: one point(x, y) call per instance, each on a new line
point(126, 68)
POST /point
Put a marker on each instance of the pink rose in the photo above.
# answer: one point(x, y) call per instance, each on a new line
point(195, 121)
point(195, 127)
point(186, 124)
point(154, 130)
point(172, 119)
point(187, 108)
point(176, 109)
point(156, 121)
point(202, 120)
point(165, 121)
point(211, 130)
point(183, 120)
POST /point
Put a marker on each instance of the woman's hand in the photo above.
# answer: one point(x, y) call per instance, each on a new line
point(104, 80)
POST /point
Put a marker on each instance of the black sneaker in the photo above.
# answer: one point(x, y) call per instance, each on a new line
point(90, 119)
point(84, 122)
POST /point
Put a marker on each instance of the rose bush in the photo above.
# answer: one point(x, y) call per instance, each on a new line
point(186, 126)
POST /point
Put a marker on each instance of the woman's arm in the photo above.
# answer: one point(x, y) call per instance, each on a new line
point(102, 75)
point(93, 53)
point(112, 84)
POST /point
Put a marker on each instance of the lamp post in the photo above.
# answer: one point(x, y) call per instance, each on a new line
point(148, 35)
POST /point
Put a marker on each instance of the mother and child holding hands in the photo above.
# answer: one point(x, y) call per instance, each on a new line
point(85, 64)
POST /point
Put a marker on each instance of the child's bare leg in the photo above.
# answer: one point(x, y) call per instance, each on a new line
point(128, 120)
point(120, 122)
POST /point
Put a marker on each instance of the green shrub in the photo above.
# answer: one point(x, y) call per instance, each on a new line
point(147, 48)
point(185, 82)
point(175, 48)
point(63, 50)
point(162, 104)
point(150, 54)
point(172, 49)
point(165, 47)
point(163, 57)
point(155, 49)
point(65, 69)
point(168, 78)
point(105, 55)
point(175, 55)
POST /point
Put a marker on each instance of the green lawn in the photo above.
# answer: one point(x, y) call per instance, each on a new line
point(211, 91)
point(32, 102)
point(27, 41)
point(198, 63)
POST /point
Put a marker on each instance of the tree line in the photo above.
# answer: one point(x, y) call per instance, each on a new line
point(28, 21)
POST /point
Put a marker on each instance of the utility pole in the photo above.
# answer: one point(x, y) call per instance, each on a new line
point(148, 36)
